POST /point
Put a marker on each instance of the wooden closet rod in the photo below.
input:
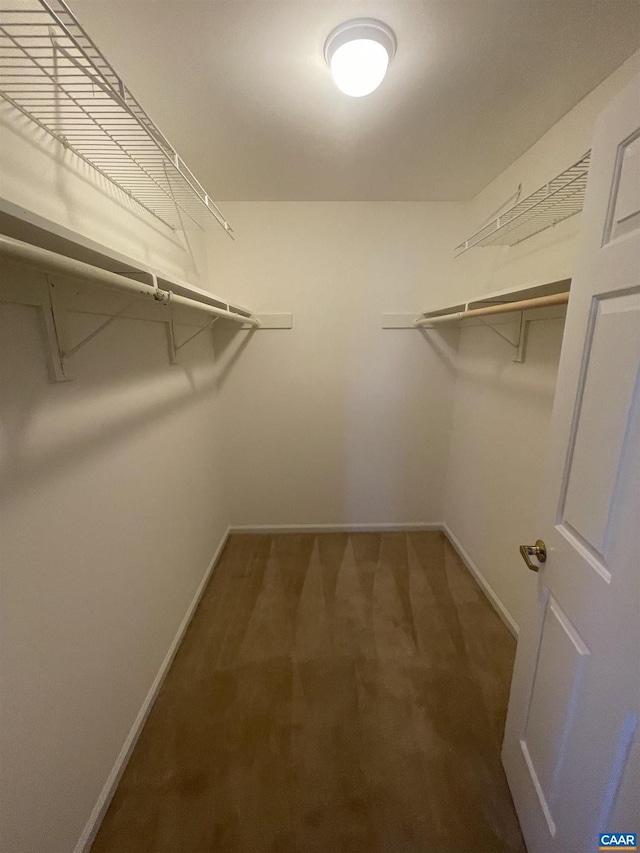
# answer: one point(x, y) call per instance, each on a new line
point(503, 308)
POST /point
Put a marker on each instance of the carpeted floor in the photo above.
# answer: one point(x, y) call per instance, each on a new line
point(334, 692)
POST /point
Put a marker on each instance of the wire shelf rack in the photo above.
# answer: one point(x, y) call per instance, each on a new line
point(52, 72)
point(557, 200)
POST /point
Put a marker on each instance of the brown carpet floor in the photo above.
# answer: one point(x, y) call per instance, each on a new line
point(334, 692)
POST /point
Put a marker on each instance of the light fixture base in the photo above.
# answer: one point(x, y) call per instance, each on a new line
point(360, 28)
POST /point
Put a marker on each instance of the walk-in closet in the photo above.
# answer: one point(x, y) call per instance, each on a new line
point(319, 426)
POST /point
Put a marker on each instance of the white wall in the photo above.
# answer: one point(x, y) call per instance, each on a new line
point(498, 448)
point(111, 508)
point(338, 421)
point(502, 410)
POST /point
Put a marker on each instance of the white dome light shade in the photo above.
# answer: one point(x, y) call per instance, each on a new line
point(358, 67)
point(358, 53)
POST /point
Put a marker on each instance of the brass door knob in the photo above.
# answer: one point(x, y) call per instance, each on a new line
point(539, 551)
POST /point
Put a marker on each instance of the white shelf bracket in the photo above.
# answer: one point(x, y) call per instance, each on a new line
point(520, 344)
point(171, 333)
point(52, 329)
point(521, 351)
point(195, 334)
point(74, 349)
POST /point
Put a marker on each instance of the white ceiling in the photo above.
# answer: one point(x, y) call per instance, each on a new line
point(241, 89)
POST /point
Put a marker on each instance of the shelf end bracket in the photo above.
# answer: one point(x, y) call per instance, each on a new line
point(520, 345)
point(52, 334)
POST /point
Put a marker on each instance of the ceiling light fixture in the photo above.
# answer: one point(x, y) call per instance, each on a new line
point(358, 53)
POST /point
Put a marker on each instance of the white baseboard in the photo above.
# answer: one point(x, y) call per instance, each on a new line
point(483, 583)
point(106, 795)
point(336, 528)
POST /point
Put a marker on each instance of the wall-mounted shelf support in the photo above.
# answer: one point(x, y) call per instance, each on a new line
point(172, 337)
point(523, 336)
point(195, 334)
point(519, 344)
point(85, 340)
point(51, 326)
point(171, 333)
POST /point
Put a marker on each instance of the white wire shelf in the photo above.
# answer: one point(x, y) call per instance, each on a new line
point(552, 203)
point(52, 72)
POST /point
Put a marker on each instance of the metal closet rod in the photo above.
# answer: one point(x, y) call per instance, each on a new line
point(47, 261)
point(503, 308)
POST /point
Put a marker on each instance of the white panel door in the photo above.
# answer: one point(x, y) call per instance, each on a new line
point(572, 740)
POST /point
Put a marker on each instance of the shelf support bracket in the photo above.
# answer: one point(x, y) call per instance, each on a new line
point(520, 344)
point(195, 334)
point(500, 334)
point(171, 333)
point(52, 331)
point(523, 334)
point(72, 350)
